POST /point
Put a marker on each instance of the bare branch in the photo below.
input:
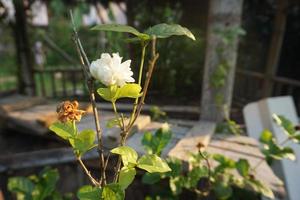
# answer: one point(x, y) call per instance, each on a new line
point(87, 172)
point(90, 84)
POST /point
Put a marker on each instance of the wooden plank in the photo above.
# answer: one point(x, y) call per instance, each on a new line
point(165, 108)
point(201, 132)
point(41, 158)
point(19, 102)
point(36, 120)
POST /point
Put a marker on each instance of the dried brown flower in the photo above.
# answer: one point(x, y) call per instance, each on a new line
point(68, 111)
point(200, 145)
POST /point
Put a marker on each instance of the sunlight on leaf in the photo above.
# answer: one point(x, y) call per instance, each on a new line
point(128, 154)
point(168, 30)
point(63, 130)
point(126, 177)
point(153, 163)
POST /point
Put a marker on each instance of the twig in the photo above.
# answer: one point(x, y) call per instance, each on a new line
point(124, 134)
point(146, 85)
point(207, 163)
point(87, 172)
point(263, 159)
point(90, 84)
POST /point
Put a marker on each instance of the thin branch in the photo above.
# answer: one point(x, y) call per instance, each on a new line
point(87, 172)
point(124, 134)
point(90, 84)
point(207, 163)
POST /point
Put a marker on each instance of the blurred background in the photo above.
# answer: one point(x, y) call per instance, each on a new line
point(38, 58)
point(52, 55)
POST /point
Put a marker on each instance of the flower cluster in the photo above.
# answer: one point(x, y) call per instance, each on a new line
point(111, 71)
point(68, 111)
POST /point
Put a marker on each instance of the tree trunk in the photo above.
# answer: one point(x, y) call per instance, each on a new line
point(24, 54)
point(224, 15)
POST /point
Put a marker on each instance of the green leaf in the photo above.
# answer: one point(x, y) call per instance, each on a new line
point(296, 138)
point(274, 151)
point(243, 167)
point(176, 185)
point(63, 130)
point(126, 177)
point(128, 155)
point(107, 94)
point(153, 163)
point(222, 190)
point(112, 123)
point(20, 184)
point(286, 124)
point(224, 163)
point(116, 28)
point(89, 192)
point(167, 30)
point(266, 136)
point(47, 182)
point(83, 142)
point(113, 192)
point(259, 187)
point(151, 178)
point(194, 176)
point(176, 167)
point(129, 90)
point(154, 144)
point(113, 93)
point(121, 28)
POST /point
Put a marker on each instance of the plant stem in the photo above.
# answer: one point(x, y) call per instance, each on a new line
point(87, 172)
point(207, 163)
point(139, 79)
point(147, 82)
point(117, 115)
point(125, 133)
point(90, 84)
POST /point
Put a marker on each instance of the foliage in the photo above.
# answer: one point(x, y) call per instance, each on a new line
point(157, 114)
point(229, 127)
point(83, 141)
point(274, 150)
point(222, 181)
point(178, 72)
point(154, 144)
point(41, 187)
point(114, 93)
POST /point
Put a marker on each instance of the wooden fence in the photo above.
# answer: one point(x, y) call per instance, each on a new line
point(60, 83)
point(249, 87)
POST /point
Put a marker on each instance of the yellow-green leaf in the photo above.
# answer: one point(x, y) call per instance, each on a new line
point(153, 163)
point(63, 130)
point(128, 154)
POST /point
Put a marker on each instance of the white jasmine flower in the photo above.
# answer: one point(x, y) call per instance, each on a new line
point(110, 70)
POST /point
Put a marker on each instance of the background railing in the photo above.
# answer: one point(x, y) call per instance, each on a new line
point(60, 83)
point(249, 87)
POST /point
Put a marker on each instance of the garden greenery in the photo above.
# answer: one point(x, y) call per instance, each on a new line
point(213, 175)
point(118, 81)
point(227, 178)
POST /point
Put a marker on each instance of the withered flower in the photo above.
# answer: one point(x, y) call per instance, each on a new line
point(200, 145)
point(68, 111)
